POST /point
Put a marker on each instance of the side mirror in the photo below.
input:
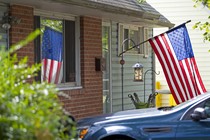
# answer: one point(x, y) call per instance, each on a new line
point(198, 114)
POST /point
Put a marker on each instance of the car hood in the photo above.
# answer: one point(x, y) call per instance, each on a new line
point(122, 115)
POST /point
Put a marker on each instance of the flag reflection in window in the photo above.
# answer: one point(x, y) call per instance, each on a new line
point(56, 50)
point(52, 56)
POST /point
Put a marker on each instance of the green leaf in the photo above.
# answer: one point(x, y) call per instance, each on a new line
point(28, 110)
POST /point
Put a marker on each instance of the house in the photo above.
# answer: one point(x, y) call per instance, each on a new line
point(179, 12)
point(91, 33)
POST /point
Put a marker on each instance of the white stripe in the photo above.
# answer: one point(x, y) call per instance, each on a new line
point(42, 71)
point(188, 77)
point(179, 69)
point(193, 76)
point(172, 65)
point(54, 71)
point(196, 78)
point(198, 84)
point(61, 74)
point(167, 70)
point(48, 69)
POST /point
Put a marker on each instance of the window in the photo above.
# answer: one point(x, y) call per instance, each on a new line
point(207, 108)
point(135, 35)
point(58, 51)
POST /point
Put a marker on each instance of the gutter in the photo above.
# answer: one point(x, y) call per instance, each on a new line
point(145, 15)
point(141, 15)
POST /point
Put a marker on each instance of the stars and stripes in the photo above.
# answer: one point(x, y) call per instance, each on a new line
point(174, 52)
point(52, 56)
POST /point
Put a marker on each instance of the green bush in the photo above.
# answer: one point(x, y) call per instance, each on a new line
point(28, 110)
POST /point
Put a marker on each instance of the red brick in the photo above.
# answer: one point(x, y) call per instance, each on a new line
point(18, 32)
point(88, 100)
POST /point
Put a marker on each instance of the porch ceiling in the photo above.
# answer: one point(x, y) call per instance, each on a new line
point(130, 13)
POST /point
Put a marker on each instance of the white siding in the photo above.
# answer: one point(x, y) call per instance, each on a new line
point(129, 86)
point(178, 12)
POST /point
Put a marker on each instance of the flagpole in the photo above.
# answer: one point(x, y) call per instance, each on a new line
point(153, 37)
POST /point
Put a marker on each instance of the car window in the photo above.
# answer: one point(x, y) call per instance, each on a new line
point(205, 104)
point(207, 108)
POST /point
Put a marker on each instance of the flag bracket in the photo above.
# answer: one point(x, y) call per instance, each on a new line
point(122, 62)
point(149, 38)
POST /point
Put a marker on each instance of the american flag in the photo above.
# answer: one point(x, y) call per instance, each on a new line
point(52, 56)
point(175, 54)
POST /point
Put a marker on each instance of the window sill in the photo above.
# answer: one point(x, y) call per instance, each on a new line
point(133, 54)
point(68, 86)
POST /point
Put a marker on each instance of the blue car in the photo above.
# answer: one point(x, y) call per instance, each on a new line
point(187, 121)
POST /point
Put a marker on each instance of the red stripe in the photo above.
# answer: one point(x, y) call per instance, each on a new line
point(183, 74)
point(188, 72)
point(176, 68)
point(164, 69)
point(198, 75)
point(170, 67)
point(186, 86)
point(44, 69)
point(191, 70)
point(51, 71)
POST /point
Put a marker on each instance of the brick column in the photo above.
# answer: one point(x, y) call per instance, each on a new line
point(89, 100)
point(20, 31)
point(91, 47)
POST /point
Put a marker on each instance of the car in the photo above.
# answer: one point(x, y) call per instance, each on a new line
point(189, 120)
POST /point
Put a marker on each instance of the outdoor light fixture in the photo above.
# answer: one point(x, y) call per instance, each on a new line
point(138, 72)
point(6, 26)
point(7, 21)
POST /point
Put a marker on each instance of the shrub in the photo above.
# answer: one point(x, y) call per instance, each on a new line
point(28, 110)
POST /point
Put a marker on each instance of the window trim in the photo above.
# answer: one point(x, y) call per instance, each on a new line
point(63, 16)
point(143, 34)
point(55, 15)
point(109, 24)
point(146, 47)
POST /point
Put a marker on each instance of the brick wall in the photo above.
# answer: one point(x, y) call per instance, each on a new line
point(88, 100)
point(20, 31)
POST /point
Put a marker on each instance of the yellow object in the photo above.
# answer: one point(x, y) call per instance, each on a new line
point(164, 97)
point(157, 85)
point(83, 133)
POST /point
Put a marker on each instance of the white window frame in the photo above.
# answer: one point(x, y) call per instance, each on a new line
point(146, 46)
point(63, 16)
point(142, 36)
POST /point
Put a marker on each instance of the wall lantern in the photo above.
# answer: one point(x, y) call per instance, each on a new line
point(138, 72)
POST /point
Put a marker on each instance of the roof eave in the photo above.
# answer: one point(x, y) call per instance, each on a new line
point(147, 16)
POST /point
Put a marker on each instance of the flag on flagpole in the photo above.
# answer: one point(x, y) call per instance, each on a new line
point(52, 56)
point(175, 54)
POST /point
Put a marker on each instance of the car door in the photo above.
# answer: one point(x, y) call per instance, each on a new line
point(160, 131)
point(189, 129)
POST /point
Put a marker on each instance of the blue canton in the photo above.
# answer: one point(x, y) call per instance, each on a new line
point(52, 45)
point(181, 44)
